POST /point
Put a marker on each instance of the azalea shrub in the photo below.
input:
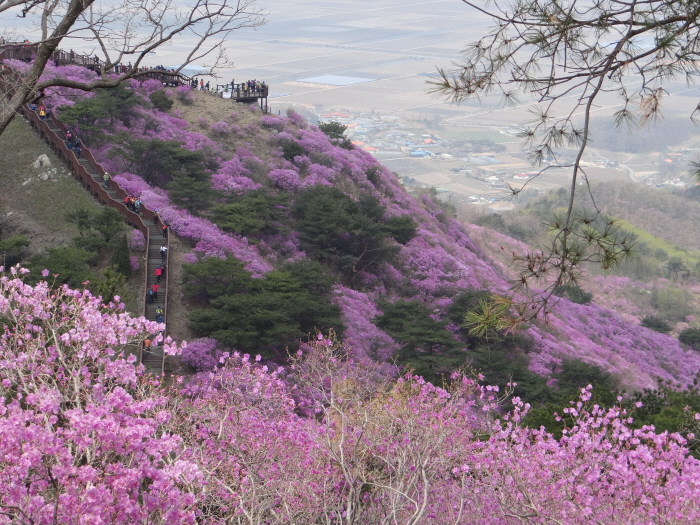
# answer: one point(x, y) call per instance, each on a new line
point(324, 438)
point(75, 407)
point(201, 354)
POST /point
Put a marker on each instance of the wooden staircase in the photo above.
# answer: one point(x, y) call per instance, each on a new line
point(90, 174)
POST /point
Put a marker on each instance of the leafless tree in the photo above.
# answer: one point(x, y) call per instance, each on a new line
point(566, 55)
point(122, 31)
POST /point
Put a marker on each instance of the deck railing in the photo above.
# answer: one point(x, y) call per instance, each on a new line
point(26, 52)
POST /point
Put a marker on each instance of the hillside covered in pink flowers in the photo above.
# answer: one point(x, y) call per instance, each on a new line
point(290, 231)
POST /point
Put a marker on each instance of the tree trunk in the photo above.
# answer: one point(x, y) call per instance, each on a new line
point(24, 90)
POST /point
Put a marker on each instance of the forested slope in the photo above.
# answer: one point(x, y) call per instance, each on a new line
point(291, 231)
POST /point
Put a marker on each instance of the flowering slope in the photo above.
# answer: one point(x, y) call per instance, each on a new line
point(434, 266)
point(87, 438)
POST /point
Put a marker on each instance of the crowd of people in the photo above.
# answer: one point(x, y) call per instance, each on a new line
point(132, 203)
point(254, 86)
point(249, 87)
point(194, 84)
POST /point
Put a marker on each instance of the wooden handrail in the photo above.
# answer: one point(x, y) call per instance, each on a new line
point(26, 52)
point(96, 188)
point(165, 306)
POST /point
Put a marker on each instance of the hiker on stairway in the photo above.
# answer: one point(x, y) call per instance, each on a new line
point(159, 311)
point(159, 273)
point(106, 178)
point(154, 289)
point(163, 254)
point(78, 146)
point(165, 230)
point(137, 206)
point(150, 296)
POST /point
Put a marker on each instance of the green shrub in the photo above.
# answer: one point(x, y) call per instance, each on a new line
point(574, 293)
point(120, 256)
point(95, 115)
point(253, 213)
point(373, 174)
point(264, 315)
point(672, 303)
point(161, 101)
point(335, 131)
point(12, 250)
point(690, 337)
point(656, 324)
point(109, 284)
point(352, 236)
point(71, 265)
point(292, 149)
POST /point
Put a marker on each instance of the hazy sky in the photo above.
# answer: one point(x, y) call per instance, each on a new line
point(394, 44)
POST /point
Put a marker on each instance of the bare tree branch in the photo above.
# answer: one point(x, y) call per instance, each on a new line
point(126, 31)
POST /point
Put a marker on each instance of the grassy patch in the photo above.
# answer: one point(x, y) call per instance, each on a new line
point(43, 205)
point(690, 258)
point(38, 209)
